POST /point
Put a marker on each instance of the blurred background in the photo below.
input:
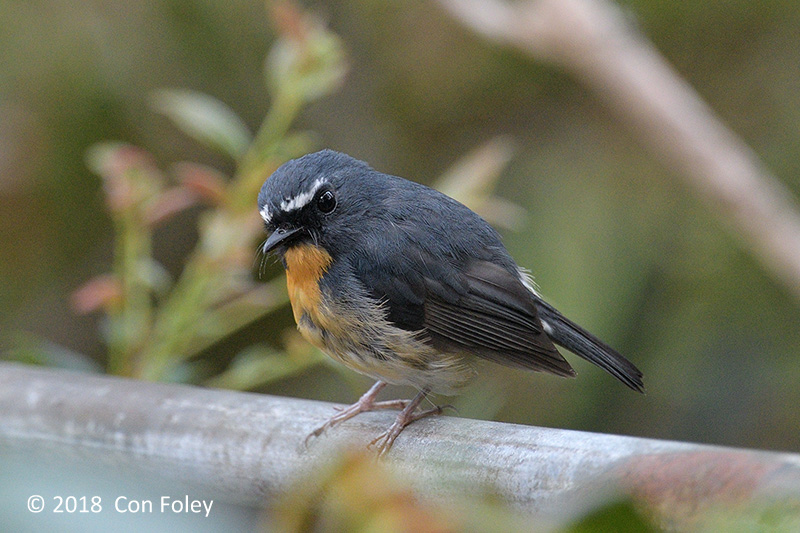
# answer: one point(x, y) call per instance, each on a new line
point(615, 240)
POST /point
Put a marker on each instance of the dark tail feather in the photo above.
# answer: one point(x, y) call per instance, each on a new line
point(571, 336)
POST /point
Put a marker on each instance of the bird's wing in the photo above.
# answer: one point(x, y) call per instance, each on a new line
point(496, 319)
point(475, 306)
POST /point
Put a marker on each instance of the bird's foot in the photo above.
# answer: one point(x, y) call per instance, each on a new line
point(364, 404)
point(385, 440)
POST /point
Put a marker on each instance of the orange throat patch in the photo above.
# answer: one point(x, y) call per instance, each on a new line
point(305, 266)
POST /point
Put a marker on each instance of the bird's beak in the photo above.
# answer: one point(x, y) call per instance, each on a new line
point(279, 236)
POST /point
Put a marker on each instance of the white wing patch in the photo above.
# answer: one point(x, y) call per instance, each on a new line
point(302, 199)
point(527, 280)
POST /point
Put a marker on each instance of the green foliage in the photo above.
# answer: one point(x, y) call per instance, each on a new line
point(33, 350)
point(261, 364)
point(616, 516)
point(154, 325)
point(206, 119)
point(353, 492)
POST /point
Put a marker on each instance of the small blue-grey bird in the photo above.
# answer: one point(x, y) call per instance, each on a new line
point(404, 284)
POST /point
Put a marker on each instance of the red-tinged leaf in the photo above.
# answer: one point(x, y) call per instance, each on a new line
point(98, 293)
point(169, 203)
point(208, 183)
point(129, 174)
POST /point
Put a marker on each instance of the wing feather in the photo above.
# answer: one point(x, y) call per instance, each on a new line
point(496, 319)
point(476, 306)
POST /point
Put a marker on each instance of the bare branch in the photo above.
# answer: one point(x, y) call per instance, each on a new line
point(591, 40)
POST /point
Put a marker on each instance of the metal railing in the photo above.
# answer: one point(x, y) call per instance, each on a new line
point(246, 449)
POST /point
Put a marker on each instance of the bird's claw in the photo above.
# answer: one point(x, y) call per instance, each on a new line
point(384, 441)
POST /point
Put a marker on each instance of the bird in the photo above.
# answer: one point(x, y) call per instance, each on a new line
point(404, 284)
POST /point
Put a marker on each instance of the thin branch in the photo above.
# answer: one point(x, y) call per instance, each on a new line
point(592, 40)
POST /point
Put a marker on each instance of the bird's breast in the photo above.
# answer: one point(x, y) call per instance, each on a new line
point(305, 266)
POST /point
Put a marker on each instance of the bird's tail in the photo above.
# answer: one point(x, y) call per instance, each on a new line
point(574, 338)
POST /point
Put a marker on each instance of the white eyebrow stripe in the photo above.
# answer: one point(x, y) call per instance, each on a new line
point(265, 214)
point(300, 201)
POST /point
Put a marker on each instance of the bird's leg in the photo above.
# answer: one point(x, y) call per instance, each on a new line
point(364, 404)
point(406, 416)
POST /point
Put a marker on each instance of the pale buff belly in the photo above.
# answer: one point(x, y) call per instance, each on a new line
point(366, 342)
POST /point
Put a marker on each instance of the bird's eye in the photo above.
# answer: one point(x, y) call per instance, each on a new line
point(326, 202)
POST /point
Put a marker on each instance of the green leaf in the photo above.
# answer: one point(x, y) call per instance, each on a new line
point(309, 68)
point(205, 119)
point(153, 275)
point(29, 348)
point(618, 516)
point(257, 366)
